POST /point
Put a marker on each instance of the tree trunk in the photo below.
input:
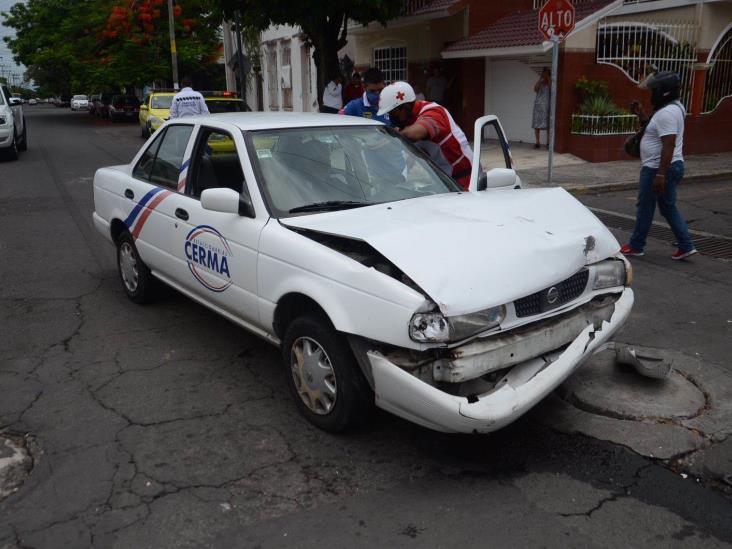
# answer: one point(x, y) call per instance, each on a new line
point(327, 40)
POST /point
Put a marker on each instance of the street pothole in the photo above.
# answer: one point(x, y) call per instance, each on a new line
point(615, 390)
point(16, 462)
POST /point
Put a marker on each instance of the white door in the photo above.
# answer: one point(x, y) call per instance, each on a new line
point(214, 253)
point(509, 94)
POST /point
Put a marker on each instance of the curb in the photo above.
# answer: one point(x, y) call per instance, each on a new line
point(632, 185)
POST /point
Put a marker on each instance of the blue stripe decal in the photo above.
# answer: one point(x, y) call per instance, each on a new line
point(185, 164)
point(140, 205)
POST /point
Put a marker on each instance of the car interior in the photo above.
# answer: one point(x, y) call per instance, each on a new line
point(214, 169)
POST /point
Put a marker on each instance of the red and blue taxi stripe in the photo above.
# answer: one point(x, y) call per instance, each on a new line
point(142, 210)
point(182, 176)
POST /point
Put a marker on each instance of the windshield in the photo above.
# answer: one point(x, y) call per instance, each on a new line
point(229, 105)
point(80, 97)
point(357, 165)
point(162, 101)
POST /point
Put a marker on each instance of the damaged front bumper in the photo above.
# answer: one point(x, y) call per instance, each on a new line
point(525, 384)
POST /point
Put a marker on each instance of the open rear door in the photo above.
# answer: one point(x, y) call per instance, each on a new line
point(490, 142)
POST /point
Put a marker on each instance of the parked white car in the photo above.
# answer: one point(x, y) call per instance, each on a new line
point(380, 280)
point(79, 103)
point(13, 131)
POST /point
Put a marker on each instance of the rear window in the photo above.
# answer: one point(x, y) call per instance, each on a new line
point(162, 101)
point(217, 105)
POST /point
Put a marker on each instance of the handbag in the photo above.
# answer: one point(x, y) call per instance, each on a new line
point(632, 144)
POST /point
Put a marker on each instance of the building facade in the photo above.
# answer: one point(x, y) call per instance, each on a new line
point(491, 54)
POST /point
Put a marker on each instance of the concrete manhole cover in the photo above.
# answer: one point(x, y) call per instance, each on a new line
point(616, 390)
point(15, 463)
point(665, 419)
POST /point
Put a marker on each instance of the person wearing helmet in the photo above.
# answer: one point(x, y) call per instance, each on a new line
point(662, 164)
point(431, 127)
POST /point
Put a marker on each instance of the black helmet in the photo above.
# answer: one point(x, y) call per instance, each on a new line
point(665, 87)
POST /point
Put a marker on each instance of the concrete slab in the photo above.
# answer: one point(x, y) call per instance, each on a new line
point(672, 419)
point(712, 463)
point(648, 438)
point(618, 391)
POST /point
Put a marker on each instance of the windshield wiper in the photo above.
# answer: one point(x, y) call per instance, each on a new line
point(330, 205)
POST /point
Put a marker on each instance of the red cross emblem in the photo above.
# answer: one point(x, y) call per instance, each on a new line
point(400, 96)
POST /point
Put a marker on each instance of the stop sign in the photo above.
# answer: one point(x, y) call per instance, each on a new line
point(556, 17)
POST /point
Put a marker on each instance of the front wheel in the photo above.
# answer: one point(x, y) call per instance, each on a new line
point(326, 382)
point(137, 281)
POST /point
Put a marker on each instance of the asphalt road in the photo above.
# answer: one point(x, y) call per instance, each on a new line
point(167, 426)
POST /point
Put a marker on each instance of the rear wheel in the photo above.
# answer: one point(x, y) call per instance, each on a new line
point(23, 143)
point(12, 152)
point(326, 382)
point(137, 281)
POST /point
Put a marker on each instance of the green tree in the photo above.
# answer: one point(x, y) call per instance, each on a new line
point(324, 23)
point(93, 45)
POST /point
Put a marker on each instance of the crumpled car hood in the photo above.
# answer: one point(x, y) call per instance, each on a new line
point(471, 251)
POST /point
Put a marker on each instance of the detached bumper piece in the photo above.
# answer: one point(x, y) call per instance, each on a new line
point(522, 387)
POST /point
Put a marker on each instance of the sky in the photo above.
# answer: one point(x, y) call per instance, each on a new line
point(7, 57)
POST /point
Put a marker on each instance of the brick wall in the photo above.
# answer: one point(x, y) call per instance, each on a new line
point(705, 133)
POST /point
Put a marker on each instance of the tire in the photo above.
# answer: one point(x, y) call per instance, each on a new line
point(137, 281)
point(333, 394)
point(11, 153)
point(23, 144)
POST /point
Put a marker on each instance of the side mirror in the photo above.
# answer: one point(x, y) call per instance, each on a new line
point(499, 178)
point(14, 101)
point(143, 107)
point(226, 200)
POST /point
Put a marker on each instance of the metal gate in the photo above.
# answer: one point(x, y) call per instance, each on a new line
point(718, 83)
point(637, 47)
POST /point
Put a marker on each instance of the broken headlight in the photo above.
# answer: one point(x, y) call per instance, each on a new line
point(609, 274)
point(437, 328)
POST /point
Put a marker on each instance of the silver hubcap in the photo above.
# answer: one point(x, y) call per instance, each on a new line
point(128, 266)
point(313, 375)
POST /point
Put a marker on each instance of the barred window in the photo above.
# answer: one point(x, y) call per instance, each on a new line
point(393, 63)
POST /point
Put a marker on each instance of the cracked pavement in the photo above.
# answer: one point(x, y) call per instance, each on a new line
point(167, 426)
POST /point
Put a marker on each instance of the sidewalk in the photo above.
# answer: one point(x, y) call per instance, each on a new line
point(579, 176)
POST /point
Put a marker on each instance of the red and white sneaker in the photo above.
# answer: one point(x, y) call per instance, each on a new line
point(678, 254)
point(626, 250)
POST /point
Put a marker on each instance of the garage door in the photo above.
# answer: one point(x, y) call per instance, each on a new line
point(510, 96)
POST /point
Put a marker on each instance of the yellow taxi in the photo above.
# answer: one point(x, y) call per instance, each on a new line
point(155, 108)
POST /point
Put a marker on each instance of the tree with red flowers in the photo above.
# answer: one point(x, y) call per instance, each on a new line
point(96, 45)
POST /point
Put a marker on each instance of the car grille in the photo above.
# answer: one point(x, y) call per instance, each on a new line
point(553, 296)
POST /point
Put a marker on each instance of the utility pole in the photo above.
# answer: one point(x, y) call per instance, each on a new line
point(173, 51)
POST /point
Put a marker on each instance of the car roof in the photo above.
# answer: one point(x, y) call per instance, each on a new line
point(281, 120)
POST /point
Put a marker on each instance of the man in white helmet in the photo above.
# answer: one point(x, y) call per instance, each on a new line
point(431, 127)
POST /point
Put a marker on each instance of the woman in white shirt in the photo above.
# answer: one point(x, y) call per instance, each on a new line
point(332, 98)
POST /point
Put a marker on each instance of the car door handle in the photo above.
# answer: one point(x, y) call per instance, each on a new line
point(129, 194)
point(181, 214)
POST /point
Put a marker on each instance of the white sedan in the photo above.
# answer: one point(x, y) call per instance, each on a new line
point(380, 280)
point(79, 103)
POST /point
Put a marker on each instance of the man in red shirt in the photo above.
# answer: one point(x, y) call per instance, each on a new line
point(353, 90)
point(431, 127)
